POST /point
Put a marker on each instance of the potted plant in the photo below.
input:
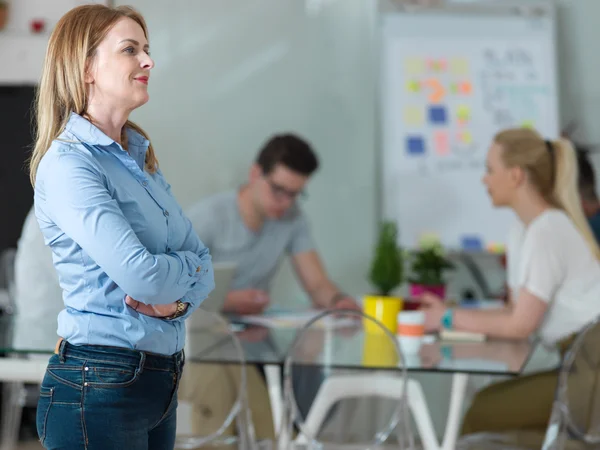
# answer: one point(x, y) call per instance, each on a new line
point(427, 268)
point(3, 13)
point(385, 274)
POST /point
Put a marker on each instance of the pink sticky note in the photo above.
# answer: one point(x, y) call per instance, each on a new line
point(441, 143)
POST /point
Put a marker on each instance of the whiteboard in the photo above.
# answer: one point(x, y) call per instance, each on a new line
point(449, 83)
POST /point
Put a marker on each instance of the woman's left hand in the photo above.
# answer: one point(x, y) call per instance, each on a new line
point(434, 309)
point(151, 310)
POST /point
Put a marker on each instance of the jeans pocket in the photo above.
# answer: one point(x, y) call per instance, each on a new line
point(95, 374)
point(111, 374)
point(43, 408)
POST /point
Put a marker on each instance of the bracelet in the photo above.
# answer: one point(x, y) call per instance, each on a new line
point(446, 352)
point(447, 319)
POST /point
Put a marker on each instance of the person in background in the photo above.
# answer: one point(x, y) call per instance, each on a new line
point(553, 274)
point(587, 190)
point(257, 226)
point(37, 302)
point(130, 266)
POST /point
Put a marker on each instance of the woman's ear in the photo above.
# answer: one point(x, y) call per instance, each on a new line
point(517, 175)
point(88, 76)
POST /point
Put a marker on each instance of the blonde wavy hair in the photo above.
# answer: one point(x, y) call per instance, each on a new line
point(552, 172)
point(62, 90)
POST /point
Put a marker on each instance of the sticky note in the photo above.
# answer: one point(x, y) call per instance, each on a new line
point(414, 115)
point(413, 86)
point(459, 66)
point(415, 145)
point(527, 124)
point(438, 115)
point(437, 65)
point(441, 142)
point(414, 66)
point(465, 88)
point(472, 243)
point(454, 88)
point(437, 91)
point(463, 113)
point(429, 239)
point(465, 137)
point(496, 248)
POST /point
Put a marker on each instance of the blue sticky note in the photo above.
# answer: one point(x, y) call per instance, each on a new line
point(415, 145)
point(438, 115)
point(472, 243)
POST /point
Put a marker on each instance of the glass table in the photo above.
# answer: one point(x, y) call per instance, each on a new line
point(346, 347)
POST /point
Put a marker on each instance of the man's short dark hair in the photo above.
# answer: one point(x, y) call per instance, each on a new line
point(290, 151)
point(587, 176)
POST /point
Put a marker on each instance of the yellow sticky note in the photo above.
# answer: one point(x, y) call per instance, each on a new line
point(496, 248)
point(466, 137)
point(463, 112)
point(528, 124)
point(429, 240)
point(413, 86)
point(459, 66)
point(414, 66)
point(414, 115)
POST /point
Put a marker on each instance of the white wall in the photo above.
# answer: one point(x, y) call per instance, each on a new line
point(229, 73)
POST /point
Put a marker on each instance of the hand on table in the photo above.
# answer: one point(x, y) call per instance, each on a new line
point(246, 301)
point(434, 309)
point(346, 302)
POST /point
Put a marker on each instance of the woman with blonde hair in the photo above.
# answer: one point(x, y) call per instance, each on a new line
point(553, 273)
point(129, 264)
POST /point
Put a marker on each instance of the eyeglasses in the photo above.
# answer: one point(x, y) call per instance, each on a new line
point(281, 192)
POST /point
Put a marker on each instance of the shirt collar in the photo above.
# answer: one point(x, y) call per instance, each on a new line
point(88, 133)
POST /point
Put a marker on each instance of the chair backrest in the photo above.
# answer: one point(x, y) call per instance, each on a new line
point(7, 276)
point(336, 361)
point(215, 342)
point(576, 409)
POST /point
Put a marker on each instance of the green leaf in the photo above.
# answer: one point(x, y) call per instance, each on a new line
point(386, 272)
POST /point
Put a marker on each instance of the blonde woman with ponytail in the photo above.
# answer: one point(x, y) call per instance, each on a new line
point(130, 266)
point(553, 273)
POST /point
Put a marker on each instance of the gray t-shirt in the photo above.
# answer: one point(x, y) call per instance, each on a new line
point(218, 222)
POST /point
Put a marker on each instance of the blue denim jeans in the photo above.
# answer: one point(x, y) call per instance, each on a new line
point(103, 398)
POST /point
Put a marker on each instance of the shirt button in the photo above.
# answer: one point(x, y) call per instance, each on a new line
point(166, 213)
point(144, 183)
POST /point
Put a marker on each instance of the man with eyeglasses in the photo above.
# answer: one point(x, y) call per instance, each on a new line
point(256, 226)
point(261, 222)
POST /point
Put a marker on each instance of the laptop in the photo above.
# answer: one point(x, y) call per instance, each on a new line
point(224, 273)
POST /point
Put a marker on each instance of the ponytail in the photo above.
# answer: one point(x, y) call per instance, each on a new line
point(565, 193)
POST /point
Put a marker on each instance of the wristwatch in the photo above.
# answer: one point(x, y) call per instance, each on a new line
point(180, 311)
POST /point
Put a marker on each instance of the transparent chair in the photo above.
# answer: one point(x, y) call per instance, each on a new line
point(344, 386)
point(576, 410)
point(575, 419)
point(14, 393)
point(221, 385)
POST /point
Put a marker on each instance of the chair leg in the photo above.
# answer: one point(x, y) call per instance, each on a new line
point(13, 399)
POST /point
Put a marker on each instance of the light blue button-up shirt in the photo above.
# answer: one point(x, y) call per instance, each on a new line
point(116, 230)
